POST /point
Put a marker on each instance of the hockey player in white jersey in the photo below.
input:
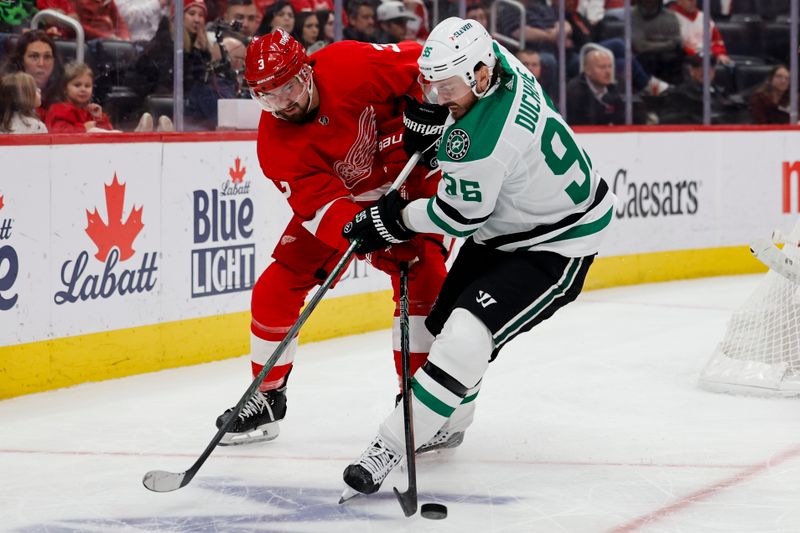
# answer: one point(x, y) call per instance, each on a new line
point(515, 183)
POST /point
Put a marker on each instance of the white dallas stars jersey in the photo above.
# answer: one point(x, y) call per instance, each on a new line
point(513, 175)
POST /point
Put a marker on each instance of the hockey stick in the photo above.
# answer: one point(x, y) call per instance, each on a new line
point(769, 254)
point(163, 481)
point(407, 499)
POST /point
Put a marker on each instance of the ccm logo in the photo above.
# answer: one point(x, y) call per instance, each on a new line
point(790, 169)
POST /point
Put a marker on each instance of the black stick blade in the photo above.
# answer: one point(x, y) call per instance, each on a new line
point(162, 481)
point(408, 500)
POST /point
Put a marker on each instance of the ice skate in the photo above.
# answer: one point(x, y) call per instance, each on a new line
point(367, 473)
point(443, 440)
point(258, 419)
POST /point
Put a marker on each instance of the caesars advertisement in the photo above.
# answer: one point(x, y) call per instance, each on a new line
point(100, 237)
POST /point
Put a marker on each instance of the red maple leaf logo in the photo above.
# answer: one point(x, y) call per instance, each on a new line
point(237, 173)
point(1, 202)
point(115, 233)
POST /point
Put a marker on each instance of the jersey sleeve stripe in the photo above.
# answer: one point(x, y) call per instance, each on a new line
point(538, 231)
point(454, 214)
point(444, 225)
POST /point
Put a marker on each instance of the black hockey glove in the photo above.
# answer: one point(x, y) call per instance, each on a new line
point(379, 226)
point(424, 125)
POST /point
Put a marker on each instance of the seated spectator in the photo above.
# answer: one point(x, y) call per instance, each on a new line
point(35, 54)
point(306, 28)
point(278, 15)
point(325, 18)
point(142, 17)
point(584, 33)
point(153, 72)
point(54, 27)
point(245, 13)
point(360, 21)
point(479, 12)
point(684, 104)
point(541, 31)
point(19, 19)
point(101, 20)
point(532, 61)
point(393, 18)
point(77, 113)
point(691, 23)
point(19, 99)
point(769, 103)
point(656, 40)
point(592, 96)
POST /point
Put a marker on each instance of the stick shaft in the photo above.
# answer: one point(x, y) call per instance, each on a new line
point(310, 306)
point(408, 499)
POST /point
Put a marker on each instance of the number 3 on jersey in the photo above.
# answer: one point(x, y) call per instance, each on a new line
point(578, 192)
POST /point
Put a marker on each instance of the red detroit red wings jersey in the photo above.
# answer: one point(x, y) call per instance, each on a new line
point(337, 154)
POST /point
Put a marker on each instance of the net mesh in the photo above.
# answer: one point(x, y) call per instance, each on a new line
point(760, 353)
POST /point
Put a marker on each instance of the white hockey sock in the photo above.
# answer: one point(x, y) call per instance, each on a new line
point(460, 354)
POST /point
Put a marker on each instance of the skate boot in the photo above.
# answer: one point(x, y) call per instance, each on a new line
point(443, 440)
point(258, 419)
point(451, 434)
point(368, 472)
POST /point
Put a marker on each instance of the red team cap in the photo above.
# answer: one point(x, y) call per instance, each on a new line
point(276, 70)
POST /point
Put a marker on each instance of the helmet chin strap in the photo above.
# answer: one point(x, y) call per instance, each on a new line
point(488, 86)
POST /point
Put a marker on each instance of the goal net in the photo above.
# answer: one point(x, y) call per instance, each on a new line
point(760, 354)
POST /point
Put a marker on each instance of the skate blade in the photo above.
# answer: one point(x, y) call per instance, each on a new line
point(348, 494)
point(261, 434)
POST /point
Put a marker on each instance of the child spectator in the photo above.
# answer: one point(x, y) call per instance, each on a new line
point(19, 99)
point(35, 54)
point(77, 114)
point(101, 20)
point(769, 103)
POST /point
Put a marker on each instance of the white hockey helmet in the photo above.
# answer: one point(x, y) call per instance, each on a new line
point(453, 49)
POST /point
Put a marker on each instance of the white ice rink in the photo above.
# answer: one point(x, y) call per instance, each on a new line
point(592, 422)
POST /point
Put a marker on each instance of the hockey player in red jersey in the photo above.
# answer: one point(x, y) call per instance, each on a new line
point(331, 140)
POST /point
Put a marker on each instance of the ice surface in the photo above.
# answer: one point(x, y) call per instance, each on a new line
point(591, 422)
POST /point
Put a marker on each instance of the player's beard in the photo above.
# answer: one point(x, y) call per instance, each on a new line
point(298, 112)
point(294, 113)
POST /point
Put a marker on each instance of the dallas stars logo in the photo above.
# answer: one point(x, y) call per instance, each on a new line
point(457, 144)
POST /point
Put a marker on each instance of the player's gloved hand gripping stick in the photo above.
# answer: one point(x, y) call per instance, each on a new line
point(163, 481)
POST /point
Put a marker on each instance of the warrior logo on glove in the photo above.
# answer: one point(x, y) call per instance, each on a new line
point(379, 226)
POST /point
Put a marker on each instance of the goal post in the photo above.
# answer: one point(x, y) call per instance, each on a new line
point(760, 353)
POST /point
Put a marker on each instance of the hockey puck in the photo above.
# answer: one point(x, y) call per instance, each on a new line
point(433, 511)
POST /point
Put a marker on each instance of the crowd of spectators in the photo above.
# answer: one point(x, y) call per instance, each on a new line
point(128, 55)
